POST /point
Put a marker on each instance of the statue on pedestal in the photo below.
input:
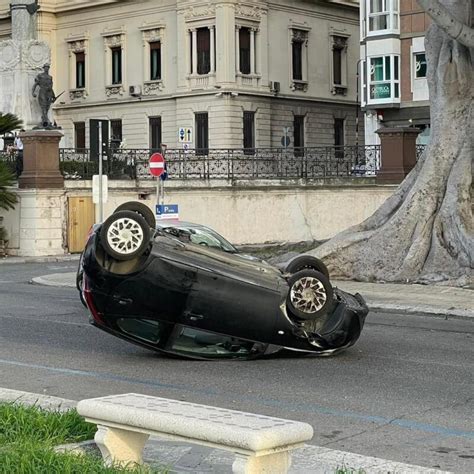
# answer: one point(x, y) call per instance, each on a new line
point(46, 96)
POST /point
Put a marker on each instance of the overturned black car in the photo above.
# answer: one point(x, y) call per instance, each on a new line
point(151, 288)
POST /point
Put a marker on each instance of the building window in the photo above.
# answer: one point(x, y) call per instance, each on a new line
point(339, 137)
point(203, 51)
point(297, 50)
point(420, 66)
point(384, 80)
point(155, 61)
point(78, 67)
point(115, 61)
point(298, 134)
point(244, 50)
point(79, 135)
point(249, 133)
point(80, 70)
point(339, 64)
point(202, 133)
point(155, 133)
point(299, 59)
point(116, 65)
point(115, 133)
point(383, 15)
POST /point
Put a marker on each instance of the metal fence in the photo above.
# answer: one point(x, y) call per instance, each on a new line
point(303, 163)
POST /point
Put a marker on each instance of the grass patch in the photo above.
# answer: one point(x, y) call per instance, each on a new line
point(29, 434)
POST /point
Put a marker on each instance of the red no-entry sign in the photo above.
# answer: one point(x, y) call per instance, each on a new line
point(157, 164)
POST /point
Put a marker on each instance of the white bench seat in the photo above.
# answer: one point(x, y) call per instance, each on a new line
point(262, 444)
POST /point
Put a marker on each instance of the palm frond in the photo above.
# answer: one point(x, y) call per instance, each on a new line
point(9, 122)
point(8, 199)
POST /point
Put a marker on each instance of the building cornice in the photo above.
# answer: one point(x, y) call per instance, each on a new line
point(60, 6)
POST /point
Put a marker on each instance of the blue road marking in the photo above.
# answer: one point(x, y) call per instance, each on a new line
point(379, 420)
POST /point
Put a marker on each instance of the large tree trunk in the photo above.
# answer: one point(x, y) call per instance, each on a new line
point(425, 231)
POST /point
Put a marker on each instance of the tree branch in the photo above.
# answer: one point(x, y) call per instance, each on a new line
point(445, 20)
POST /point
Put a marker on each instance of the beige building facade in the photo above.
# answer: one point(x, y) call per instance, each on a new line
point(203, 74)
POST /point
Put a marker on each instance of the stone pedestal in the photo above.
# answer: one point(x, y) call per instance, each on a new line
point(42, 222)
point(41, 160)
point(398, 154)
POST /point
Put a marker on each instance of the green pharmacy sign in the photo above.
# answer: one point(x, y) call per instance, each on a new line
point(381, 91)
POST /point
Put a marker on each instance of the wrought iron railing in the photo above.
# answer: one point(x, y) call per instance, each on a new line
point(303, 163)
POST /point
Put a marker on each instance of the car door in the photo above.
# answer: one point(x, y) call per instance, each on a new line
point(231, 295)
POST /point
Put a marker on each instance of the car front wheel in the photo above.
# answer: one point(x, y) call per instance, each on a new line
point(125, 235)
point(310, 294)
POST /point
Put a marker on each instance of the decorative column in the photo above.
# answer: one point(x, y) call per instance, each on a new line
point(225, 42)
point(213, 49)
point(21, 59)
point(398, 154)
point(237, 49)
point(195, 50)
point(252, 51)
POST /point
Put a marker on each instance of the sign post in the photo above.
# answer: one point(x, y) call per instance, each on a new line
point(157, 168)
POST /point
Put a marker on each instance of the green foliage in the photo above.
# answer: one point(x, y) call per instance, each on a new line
point(19, 423)
point(9, 122)
point(28, 435)
point(8, 198)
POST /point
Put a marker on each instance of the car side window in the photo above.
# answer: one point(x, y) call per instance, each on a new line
point(194, 342)
point(144, 329)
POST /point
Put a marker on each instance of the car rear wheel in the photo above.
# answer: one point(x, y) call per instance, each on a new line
point(125, 235)
point(141, 209)
point(310, 295)
point(306, 261)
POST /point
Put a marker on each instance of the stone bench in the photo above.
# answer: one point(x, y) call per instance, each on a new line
point(261, 444)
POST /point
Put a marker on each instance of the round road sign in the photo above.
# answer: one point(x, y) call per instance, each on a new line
point(157, 164)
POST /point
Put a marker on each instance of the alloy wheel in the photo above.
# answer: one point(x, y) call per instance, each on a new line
point(308, 295)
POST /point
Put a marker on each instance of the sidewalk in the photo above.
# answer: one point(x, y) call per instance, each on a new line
point(184, 458)
point(441, 301)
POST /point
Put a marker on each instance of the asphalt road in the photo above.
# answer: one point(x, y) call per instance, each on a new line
point(405, 392)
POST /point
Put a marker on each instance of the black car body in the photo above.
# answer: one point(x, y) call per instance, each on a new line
point(195, 301)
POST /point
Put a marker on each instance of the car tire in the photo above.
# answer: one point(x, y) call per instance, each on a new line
point(310, 294)
point(125, 235)
point(306, 261)
point(141, 209)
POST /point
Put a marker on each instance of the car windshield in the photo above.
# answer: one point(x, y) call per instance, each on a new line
point(201, 236)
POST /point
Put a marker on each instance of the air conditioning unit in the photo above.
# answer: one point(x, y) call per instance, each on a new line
point(274, 86)
point(135, 91)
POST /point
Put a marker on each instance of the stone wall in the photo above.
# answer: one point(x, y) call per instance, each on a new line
point(244, 212)
point(252, 212)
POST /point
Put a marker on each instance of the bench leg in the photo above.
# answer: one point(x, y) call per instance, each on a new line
point(120, 446)
point(277, 463)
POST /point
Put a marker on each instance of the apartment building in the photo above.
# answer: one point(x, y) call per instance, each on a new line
point(203, 74)
point(394, 89)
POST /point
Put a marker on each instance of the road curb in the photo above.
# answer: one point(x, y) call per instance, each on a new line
point(315, 455)
point(50, 259)
point(57, 282)
point(423, 311)
point(44, 401)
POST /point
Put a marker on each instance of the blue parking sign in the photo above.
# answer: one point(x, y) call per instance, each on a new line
point(167, 211)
